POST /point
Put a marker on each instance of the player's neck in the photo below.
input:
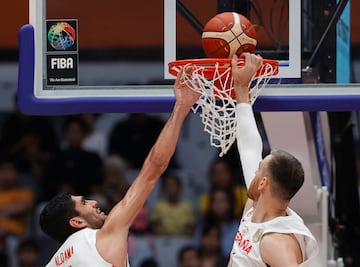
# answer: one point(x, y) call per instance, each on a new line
point(268, 209)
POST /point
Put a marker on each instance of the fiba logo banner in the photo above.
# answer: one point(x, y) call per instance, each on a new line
point(61, 35)
point(62, 69)
point(62, 52)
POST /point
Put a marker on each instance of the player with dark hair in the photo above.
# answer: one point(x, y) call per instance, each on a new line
point(92, 238)
point(270, 233)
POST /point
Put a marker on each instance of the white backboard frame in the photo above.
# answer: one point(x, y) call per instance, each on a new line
point(288, 68)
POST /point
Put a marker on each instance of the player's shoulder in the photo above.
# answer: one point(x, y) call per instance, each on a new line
point(286, 249)
point(269, 239)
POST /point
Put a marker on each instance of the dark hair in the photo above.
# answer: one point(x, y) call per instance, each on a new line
point(28, 244)
point(184, 250)
point(167, 177)
point(54, 218)
point(220, 161)
point(287, 174)
point(77, 120)
point(206, 230)
point(229, 193)
point(149, 262)
point(208, 226)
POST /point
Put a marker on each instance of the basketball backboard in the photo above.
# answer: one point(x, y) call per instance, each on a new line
point(119, 60)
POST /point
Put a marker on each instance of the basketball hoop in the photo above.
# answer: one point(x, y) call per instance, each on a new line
point(212, 78)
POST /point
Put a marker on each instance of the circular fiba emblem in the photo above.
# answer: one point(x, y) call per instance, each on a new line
point(61, 36)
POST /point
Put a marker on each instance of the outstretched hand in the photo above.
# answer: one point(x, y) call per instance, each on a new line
point(242, 76)
point(185, 96)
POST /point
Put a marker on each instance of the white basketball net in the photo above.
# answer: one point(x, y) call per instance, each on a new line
point(216, 105)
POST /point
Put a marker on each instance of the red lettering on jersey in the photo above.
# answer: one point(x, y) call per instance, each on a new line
point(250, 213)
point(244, 244)
point(63, 256)
point(248, 249)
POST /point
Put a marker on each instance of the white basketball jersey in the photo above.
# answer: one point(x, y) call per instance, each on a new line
point(79, 250)
point(246, 247)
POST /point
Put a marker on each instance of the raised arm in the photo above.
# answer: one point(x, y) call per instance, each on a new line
point(123, 214)
point(248, 138)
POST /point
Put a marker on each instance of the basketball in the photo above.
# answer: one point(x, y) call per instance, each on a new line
point(61, 36)
point(227, 34)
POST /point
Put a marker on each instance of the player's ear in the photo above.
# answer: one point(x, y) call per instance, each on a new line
point(77, 222)
point(264, 182)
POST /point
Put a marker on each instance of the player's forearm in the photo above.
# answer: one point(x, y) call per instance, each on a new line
point(248, 141)
point(164, 148)
point(155, 164)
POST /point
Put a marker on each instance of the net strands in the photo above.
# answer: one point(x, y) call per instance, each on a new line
point(217, 101)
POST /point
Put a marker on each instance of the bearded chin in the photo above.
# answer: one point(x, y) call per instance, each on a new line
point(98, 223)
point(252, 194)
point(101, 222)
